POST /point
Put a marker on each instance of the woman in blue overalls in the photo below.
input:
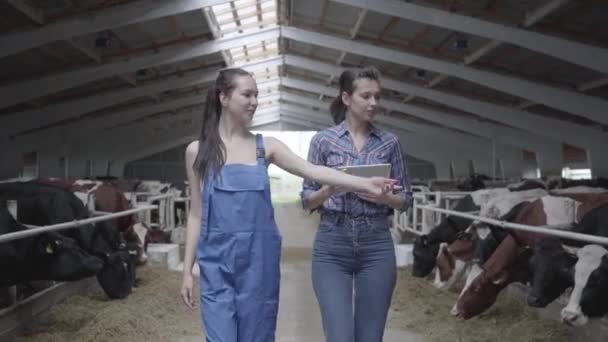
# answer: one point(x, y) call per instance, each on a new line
point(353, 251)
point(231, 227)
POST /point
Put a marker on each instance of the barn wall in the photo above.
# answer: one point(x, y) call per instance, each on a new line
point(166, 166)
point(49, 164)
point(419, 168)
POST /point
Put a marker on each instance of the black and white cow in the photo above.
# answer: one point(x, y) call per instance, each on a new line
point(40, 204)
point(426, 247)
point(46, 256)
point(589, 297)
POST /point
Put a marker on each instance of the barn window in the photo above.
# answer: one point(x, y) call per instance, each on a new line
point(576, 173)
point(29, 167)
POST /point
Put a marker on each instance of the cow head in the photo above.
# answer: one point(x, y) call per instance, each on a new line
point(594, 300)
point(61, 259)
point(552, 272)
point(590, 281)
point(118, 275)
point(425, 255)
point(481, 294)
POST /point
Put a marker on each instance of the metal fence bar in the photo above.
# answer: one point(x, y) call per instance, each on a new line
point(66, 225)
point(535, 229)
point(159, 197)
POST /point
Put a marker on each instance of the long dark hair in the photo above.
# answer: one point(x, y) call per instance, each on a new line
point(347, 84)
point(211, 148)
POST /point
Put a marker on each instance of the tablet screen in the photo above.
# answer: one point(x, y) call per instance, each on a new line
point(372, 170)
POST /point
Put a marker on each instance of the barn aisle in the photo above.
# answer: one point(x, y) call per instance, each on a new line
point(299, 317)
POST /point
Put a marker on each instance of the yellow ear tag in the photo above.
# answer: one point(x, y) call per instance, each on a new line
point(49, 249)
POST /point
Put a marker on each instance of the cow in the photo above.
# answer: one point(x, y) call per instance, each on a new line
point(493, 203)
point(107, 197)
point(588, 297)
point(553, 263)
point(40, 204)
point(508, 263)
point(426, 247)
point(45, 256)
point(501, 205)
point(563, 183)
point(527, 184)
point(552, 268)
point(157, 187)
point(470, 248)
point(110, 198)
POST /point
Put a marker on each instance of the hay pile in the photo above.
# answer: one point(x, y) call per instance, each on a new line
point(420, 308)
point(154, 312)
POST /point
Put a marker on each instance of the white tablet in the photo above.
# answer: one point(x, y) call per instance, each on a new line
point(372, 170)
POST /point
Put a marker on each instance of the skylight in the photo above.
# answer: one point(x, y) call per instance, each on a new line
point(243, 16)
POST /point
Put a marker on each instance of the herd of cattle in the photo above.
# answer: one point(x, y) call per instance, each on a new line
point(491, 258)
point(109, 250)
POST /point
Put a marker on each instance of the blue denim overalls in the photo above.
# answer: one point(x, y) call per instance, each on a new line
point(239, 254)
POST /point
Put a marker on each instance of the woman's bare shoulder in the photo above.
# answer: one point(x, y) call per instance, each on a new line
point(192, 148)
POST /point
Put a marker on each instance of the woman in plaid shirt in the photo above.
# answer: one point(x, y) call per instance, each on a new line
point(353, 250)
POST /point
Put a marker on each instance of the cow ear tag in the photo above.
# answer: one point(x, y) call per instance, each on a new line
point(49, 248)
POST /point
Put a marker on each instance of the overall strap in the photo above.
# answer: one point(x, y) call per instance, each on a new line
point(259, 150)
point(206, 198)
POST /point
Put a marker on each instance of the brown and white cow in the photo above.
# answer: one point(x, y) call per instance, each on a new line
point(552, 210)
point(471, 247)
point(426, 247)
point(509, 263)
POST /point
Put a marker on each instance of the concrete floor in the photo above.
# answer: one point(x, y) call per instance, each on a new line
point(299, 318)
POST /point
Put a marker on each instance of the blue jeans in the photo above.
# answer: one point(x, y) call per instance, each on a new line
point(353, 254)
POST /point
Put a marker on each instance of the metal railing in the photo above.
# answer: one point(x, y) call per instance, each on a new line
point(420, 222)
point(553, 230)
point(35, 230)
